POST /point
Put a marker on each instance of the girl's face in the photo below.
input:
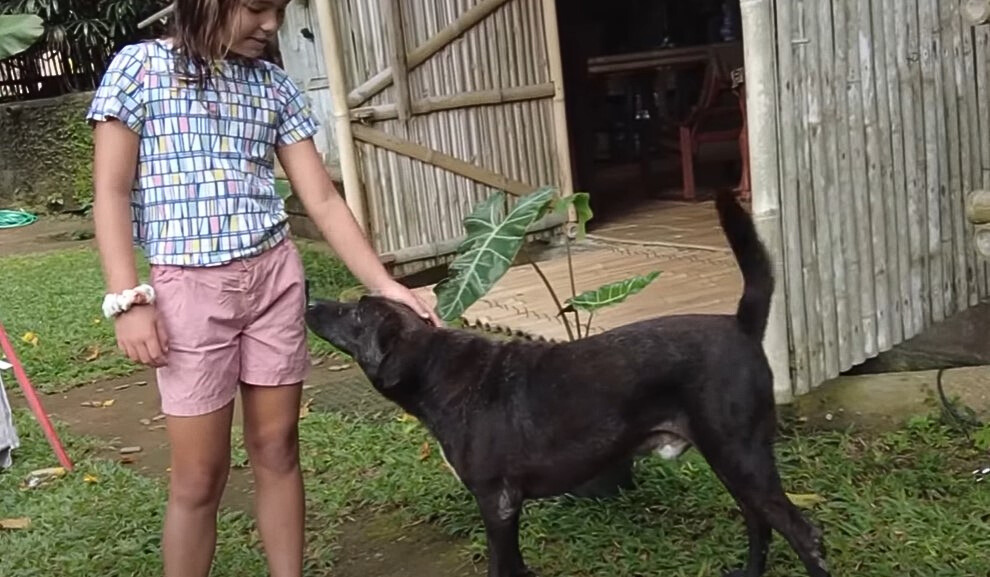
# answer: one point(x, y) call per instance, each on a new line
point(254, 24)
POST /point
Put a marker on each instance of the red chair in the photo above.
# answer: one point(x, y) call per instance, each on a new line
point(719, 116)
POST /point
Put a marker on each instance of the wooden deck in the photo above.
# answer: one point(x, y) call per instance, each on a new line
point(663, 222)
point(700, 278)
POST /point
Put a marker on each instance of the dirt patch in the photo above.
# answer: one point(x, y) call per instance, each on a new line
point(371, 544)
point(132, 420)
point(885, 401)
point(381, 546)
point(47, 234)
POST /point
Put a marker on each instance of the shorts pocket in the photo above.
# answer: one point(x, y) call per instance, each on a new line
point(162, 275)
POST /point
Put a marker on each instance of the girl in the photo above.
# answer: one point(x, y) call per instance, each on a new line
point(185, 133)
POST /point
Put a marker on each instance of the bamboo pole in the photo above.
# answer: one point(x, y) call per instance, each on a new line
point(886, 252)
point(844, 182)
point(978, 207)
point(821, 186)
point(332, 57)
point(983, 181)
point(916, 45)
point(831, 127)
point(470, 99)
point(761, 105)
point(517, 67)
point(445, 247)
point(806, 199)
point(651, 63)
point(898, 242)
point(422, 53)
point(966, 67)
point(905, 32)
point(952, 198)
point(793, 280)
point(561, 138)
point(860, 181)
point(982, 239)
point(933, 106)
point(874, 169)
point(392, 11)
point(976, 12)
point(441, 160)
point(163, 13)
point(539, 109)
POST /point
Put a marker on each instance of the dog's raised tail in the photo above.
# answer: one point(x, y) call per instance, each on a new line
point(754, 262)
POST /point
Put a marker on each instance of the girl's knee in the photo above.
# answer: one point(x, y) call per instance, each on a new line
point(198, 486)
point(274, 450)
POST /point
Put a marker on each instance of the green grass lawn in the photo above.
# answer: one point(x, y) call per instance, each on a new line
point(56, 297)
point(900, 504)
point(108, 527)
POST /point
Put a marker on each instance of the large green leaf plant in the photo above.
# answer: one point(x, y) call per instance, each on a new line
point(18, 32)
point(495, 237)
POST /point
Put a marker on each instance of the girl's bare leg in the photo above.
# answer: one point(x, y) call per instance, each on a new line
point(271, 436)
point(200, 458)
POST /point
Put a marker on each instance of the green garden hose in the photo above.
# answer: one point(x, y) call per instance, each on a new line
point(16, 218)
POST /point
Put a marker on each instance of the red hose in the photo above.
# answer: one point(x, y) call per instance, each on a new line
point(33, 401)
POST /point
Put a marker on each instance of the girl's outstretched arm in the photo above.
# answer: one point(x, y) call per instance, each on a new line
point(312, 183)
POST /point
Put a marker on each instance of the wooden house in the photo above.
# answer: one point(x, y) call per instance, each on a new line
point(861, 126)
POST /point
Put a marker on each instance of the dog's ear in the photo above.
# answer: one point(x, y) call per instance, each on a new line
point(393, 361)
point(382, 360)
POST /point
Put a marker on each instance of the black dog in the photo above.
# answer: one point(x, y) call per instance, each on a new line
point(523, 420)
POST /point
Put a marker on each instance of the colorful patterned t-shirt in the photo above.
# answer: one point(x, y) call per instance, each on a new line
point(204, 193)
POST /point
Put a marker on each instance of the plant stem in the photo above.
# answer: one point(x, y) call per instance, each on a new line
point(587, 329)
point(553, 294)
point(570, 273)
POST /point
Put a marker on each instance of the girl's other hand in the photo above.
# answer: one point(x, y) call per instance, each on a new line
point(141, 337)
point(395, 291)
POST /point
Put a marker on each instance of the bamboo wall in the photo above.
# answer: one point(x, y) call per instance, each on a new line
point(884, 127)
point(411, 203)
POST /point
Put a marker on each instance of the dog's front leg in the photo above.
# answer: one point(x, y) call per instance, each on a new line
point(500, 511)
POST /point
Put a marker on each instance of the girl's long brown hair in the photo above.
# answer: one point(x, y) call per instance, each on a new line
point(199, 32)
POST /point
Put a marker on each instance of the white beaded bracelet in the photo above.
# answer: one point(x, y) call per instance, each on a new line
point(115, 304)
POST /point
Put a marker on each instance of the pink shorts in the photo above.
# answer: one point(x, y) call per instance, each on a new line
point(242, 322)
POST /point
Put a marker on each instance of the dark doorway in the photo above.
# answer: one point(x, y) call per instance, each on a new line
point(636, 73)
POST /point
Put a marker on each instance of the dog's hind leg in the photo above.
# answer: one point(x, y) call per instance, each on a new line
point(748, 471)
point(500, 511)
point(759, 532)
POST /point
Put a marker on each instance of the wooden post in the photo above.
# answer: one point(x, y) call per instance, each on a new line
point(397, 58)
point(761, 110)
point(977, 12)
point(978, 213)
point(330, 43)
point(563, 144)
point(978, 207)
point(982, 238)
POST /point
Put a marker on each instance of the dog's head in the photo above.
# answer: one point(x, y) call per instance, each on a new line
point(369, 330)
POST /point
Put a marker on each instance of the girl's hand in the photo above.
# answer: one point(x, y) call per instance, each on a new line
point(141, 336)
point(395, 291)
